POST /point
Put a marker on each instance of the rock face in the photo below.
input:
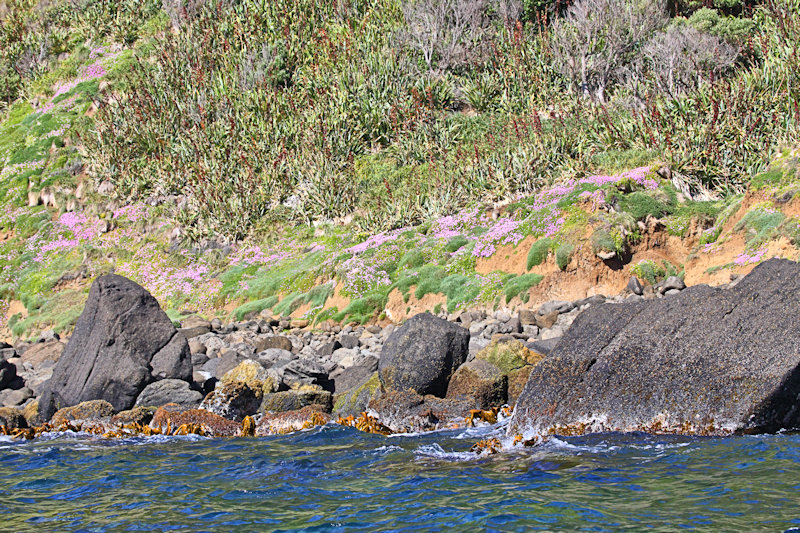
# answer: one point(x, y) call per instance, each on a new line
point(122, 342)
point(423, 354)
point(707, 361)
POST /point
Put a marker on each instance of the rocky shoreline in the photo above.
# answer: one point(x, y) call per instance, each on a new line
point(657, 358)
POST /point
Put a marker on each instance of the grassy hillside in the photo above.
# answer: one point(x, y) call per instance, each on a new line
point(327, 158)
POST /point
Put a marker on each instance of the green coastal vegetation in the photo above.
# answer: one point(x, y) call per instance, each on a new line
point(243, 156)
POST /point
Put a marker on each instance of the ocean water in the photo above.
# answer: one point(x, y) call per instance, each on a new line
point(337, 479)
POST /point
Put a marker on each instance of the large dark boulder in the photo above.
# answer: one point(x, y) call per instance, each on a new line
point(122, 342)
point(423, 354)
point(704, 361)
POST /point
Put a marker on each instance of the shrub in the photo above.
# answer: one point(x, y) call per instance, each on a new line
point(563, 255)
point(538, 252)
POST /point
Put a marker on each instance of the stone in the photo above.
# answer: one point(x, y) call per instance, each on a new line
point(634, 286)
point(423, 354)
point(14, 398)
point(299, 372)
point(480, 382)
point(94, 411)
point(516, 382)
point(169, 391)
point(555, 305)
point(328, 348)
point(190, 333)
point(7, 353)
point(8, 373)
point(671, 283)
point(196, 347)
point(43, 352)
point(172, 416)
point(547, 321)
point(293, 400)
point(195, 321)
point(255, 375)
point(508, 356)
point(355, 400)
point(122, 342)
point(138, 415)
point(219, 366)
point(277, 341)
point(527, 317)
point(233, 401)
point(348, 341)
point(351, 378)
point(272, 356)
point(706, 361)
point(543, 347)
point(11, 418)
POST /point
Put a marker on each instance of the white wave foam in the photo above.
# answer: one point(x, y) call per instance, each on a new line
point(437, 452)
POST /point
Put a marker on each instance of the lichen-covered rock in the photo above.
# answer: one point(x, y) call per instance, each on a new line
point(138, 415)
point(704, 361)
point(122, 342)
point(169, 391)
point(93, 411)
point(480, 382)
point(355, 401)
point(423, 354)
point(508, 356)
point(255, 375)
point(516, 382)
point(293, 400)
point(173, 416)
point(12, 418)
point(233, 401)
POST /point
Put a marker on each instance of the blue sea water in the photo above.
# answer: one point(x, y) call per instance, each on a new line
point(337, 479)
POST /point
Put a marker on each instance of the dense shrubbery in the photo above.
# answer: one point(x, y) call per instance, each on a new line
point(257, 112)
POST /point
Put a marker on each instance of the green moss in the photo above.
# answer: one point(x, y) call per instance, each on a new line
point(255, 306)
point(456, 243)
point(352, 401)
point(538, 252)
point(563, 255)
point(520, 285)
point(507, 356)
point(761, 224)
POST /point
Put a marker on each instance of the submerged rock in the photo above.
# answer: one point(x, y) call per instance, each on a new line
point(172, 416)
point(705, 361)
point(122, 342)
point(423, 354)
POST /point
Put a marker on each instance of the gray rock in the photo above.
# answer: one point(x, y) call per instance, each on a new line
point(122, 342)
point(672, 292)
point(348, 341)
point(328, 348)
point(13, 398)
point(597, 299)
point(169, 391)
point(634, 286)
point(544, 347)
point(352, 377)
point(8, 373)
point(423, 354)
point(199, 359)
point(277, 341)
point(556, 305)
point(7, 353)
point(301, 372)
point(671, 283)
point(271, 356)
point(706, 361)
